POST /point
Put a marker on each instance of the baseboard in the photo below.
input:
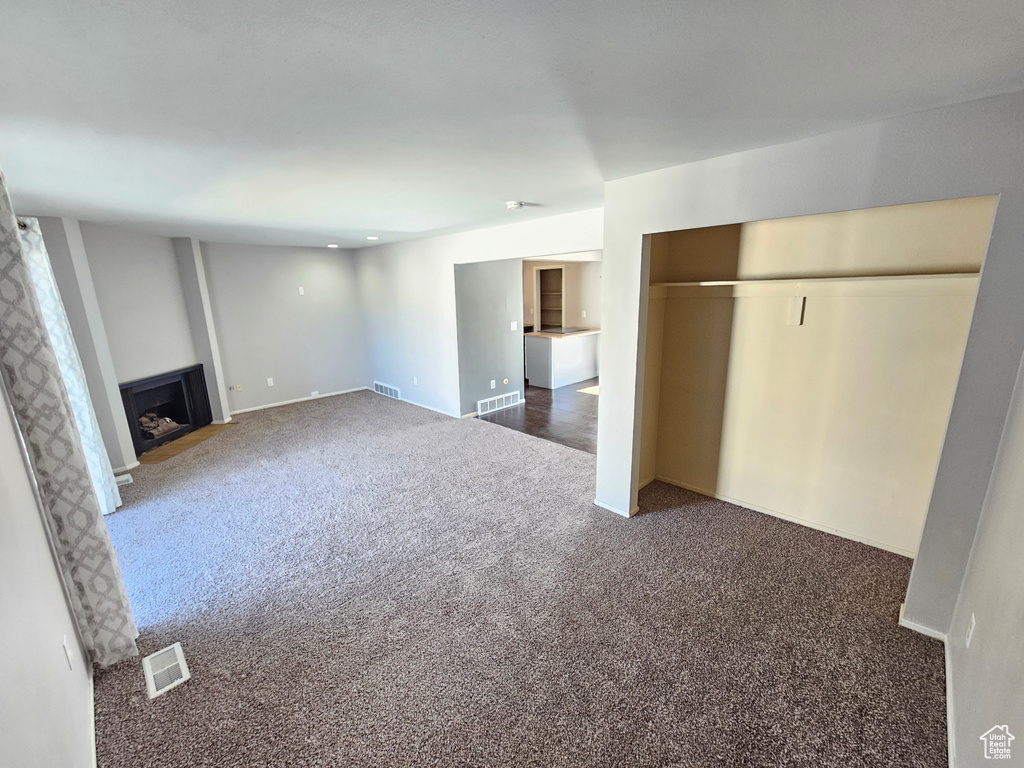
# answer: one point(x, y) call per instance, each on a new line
point(222, 421)
point(791, 518)
point(92, 714)
point(645, 483)
point(950, 729)
point(920, 628)
point(297, 400)
point(128, 468)
point(616, 510)
point(430, 408)
point(472, 415)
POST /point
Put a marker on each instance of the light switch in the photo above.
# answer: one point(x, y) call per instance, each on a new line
point(796, 310)
point(270, 382)
point(514, 325)
point(302, 291)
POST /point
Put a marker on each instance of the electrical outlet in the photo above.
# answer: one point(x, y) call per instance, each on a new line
point(270, 382)
point(492, 383)
point(315, 393)
point(239, 387)
point(514, 325)
point(584, 313)
point(415, 380)
point(302, 291)
point(970, 631)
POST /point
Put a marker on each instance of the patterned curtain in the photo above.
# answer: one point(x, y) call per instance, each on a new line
point(63, 344)
point(32, 378)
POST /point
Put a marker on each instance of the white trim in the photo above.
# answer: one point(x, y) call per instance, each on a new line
point(792, 518)
point(92, 712)
point(122, 470)
point(472, 415)
point(645, 483)
point(298, 400)
point(222, 421)
point(920, 628)
point(616, 510)
point(928, 632)
point(429, 408)
point(950, 728)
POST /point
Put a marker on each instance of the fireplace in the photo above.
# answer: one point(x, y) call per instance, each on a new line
point(165, 407)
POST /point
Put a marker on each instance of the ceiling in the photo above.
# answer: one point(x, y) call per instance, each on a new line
point(307, 122)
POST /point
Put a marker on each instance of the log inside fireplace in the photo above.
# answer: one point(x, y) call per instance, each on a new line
point(165, 407)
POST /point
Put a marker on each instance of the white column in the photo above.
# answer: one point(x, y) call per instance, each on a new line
point(63, 239)
point(200, 318)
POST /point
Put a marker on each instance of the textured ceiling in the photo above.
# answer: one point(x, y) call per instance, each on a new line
point(311, 122)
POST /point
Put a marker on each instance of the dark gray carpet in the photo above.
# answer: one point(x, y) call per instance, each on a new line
point(359, 582)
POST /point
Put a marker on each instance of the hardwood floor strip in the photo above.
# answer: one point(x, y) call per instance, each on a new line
point(182, 444)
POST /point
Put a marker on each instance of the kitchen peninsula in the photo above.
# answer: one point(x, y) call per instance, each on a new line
point(556, 357)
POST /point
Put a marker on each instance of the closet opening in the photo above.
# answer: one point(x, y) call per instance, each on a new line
point(805, 367)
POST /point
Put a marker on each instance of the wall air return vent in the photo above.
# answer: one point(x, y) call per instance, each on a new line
point(498, 403)
point(387, 390)
point(164, 670)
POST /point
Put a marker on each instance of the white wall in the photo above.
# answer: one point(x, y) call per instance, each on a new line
point(196, 290)
point(489, 297)
point(590, 295)
point(985, 679)
point(961, 151)
point(408, 291)
point(141, 299)
point(45, 706)
point(265, 329)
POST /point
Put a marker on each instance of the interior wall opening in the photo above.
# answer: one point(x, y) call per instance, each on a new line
point(528, 333)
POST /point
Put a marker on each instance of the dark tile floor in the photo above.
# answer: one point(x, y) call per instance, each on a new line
point(565, 415)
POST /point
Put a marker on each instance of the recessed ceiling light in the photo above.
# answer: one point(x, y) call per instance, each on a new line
point(332, 245)
point(372, 237)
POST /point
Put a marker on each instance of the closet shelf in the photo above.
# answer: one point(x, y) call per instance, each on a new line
point(790, 280)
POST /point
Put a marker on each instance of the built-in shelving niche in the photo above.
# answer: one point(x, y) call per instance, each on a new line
point(550, 282)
